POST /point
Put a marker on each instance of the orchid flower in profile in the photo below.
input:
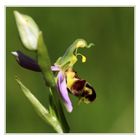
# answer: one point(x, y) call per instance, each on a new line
point(67, 79)
point(60, 78)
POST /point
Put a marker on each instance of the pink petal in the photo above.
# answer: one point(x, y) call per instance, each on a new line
point(62, 86)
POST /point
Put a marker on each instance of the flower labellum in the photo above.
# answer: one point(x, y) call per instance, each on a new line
point(79, 87)
point(28, 30)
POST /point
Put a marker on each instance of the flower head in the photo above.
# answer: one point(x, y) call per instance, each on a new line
point(67, 79)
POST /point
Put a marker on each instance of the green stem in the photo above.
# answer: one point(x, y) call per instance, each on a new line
point(44, 62)
point(45, 65)
point(59, 111)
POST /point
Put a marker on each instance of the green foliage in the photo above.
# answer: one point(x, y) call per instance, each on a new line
point(45, 114)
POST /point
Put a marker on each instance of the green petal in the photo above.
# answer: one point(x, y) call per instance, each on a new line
point(70, 56)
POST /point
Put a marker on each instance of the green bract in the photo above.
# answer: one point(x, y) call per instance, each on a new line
point(28, 30)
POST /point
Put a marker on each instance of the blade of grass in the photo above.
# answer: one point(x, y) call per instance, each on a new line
point(41, 110)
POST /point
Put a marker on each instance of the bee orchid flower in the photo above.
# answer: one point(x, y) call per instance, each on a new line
point(67, 80)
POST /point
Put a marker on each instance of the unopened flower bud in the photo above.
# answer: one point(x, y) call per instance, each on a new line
point(28, 30)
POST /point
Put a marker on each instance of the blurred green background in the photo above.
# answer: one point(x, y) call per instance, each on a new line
point(109, 68)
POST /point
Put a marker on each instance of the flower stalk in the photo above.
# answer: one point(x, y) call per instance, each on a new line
point(44, 61)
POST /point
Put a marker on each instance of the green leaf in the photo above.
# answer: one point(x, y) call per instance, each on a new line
point(41, 110)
